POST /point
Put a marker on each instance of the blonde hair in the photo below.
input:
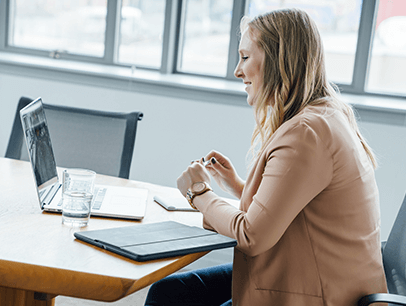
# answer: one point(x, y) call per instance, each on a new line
point(294, 73)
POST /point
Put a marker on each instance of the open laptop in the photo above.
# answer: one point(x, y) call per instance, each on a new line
point(108, 201)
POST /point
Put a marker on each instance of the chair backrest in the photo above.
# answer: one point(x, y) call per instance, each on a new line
point(394, 254)
point(83, 138)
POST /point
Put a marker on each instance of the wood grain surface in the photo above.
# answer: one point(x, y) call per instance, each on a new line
point(40, 258)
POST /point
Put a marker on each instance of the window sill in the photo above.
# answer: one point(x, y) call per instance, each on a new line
point(125, 78)
point(376, 109)
point(370, 108)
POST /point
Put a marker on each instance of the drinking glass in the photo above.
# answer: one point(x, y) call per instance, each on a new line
point(77, 195)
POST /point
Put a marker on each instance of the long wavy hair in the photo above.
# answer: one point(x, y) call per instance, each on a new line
point(294, 74)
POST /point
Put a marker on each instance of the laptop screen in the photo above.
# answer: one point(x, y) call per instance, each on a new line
point(39, 146)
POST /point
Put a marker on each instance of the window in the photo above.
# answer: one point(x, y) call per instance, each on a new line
point(65, 26)
point(337, 21)
point(364, 39)
point(388, 61)
point(206, 37)
point(141, 33)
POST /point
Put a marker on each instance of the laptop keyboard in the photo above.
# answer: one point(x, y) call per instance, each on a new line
point(99, 193)
point(98, 197)
point(41, 193)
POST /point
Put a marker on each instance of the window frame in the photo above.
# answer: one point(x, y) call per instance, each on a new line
point(173, 25)
point(365, 38)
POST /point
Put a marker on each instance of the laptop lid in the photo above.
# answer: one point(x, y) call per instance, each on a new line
point(38, 141)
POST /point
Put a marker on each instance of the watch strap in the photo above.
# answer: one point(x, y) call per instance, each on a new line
point(190, 195)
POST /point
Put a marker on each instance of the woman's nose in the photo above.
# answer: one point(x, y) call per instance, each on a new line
point(238, 71)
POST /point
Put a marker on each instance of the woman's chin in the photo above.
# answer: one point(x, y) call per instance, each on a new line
point(250, 101)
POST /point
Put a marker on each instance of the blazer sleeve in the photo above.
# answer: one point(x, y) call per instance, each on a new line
point(298, 167)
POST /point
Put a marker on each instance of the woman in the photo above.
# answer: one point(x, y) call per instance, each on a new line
point(308, 223)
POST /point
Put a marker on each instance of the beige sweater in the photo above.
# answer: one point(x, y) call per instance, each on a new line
point(308, 228)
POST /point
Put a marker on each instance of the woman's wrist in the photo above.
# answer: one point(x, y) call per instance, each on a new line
point(197, 189)
point(238, 188)
point(202, 200)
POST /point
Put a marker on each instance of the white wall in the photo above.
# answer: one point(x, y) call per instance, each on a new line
point(389, 144)
point(176, 131)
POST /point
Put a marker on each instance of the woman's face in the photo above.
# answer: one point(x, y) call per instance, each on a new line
point(250, 68)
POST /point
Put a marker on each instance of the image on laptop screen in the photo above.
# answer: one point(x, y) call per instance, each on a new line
point(39, 144)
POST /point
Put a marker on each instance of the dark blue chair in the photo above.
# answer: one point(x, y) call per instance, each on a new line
point(394, 261)
point(83, 138)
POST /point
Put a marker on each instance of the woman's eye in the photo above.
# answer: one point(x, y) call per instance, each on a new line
point(244, 58)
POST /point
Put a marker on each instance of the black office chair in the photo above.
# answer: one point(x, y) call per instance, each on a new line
point(394, 261)
point(83, 138)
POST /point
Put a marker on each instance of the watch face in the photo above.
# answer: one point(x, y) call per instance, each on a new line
point(197, 187)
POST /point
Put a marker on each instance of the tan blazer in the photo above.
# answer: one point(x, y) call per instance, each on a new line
point(308, 228)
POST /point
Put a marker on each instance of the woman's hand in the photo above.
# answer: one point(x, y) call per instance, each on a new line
point(195, 173)
point(224, 173)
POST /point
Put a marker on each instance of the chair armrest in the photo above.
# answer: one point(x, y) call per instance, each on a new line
point(383, 244)
point(382, 298)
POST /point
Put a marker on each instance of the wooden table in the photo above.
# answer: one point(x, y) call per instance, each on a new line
point(40, 258)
